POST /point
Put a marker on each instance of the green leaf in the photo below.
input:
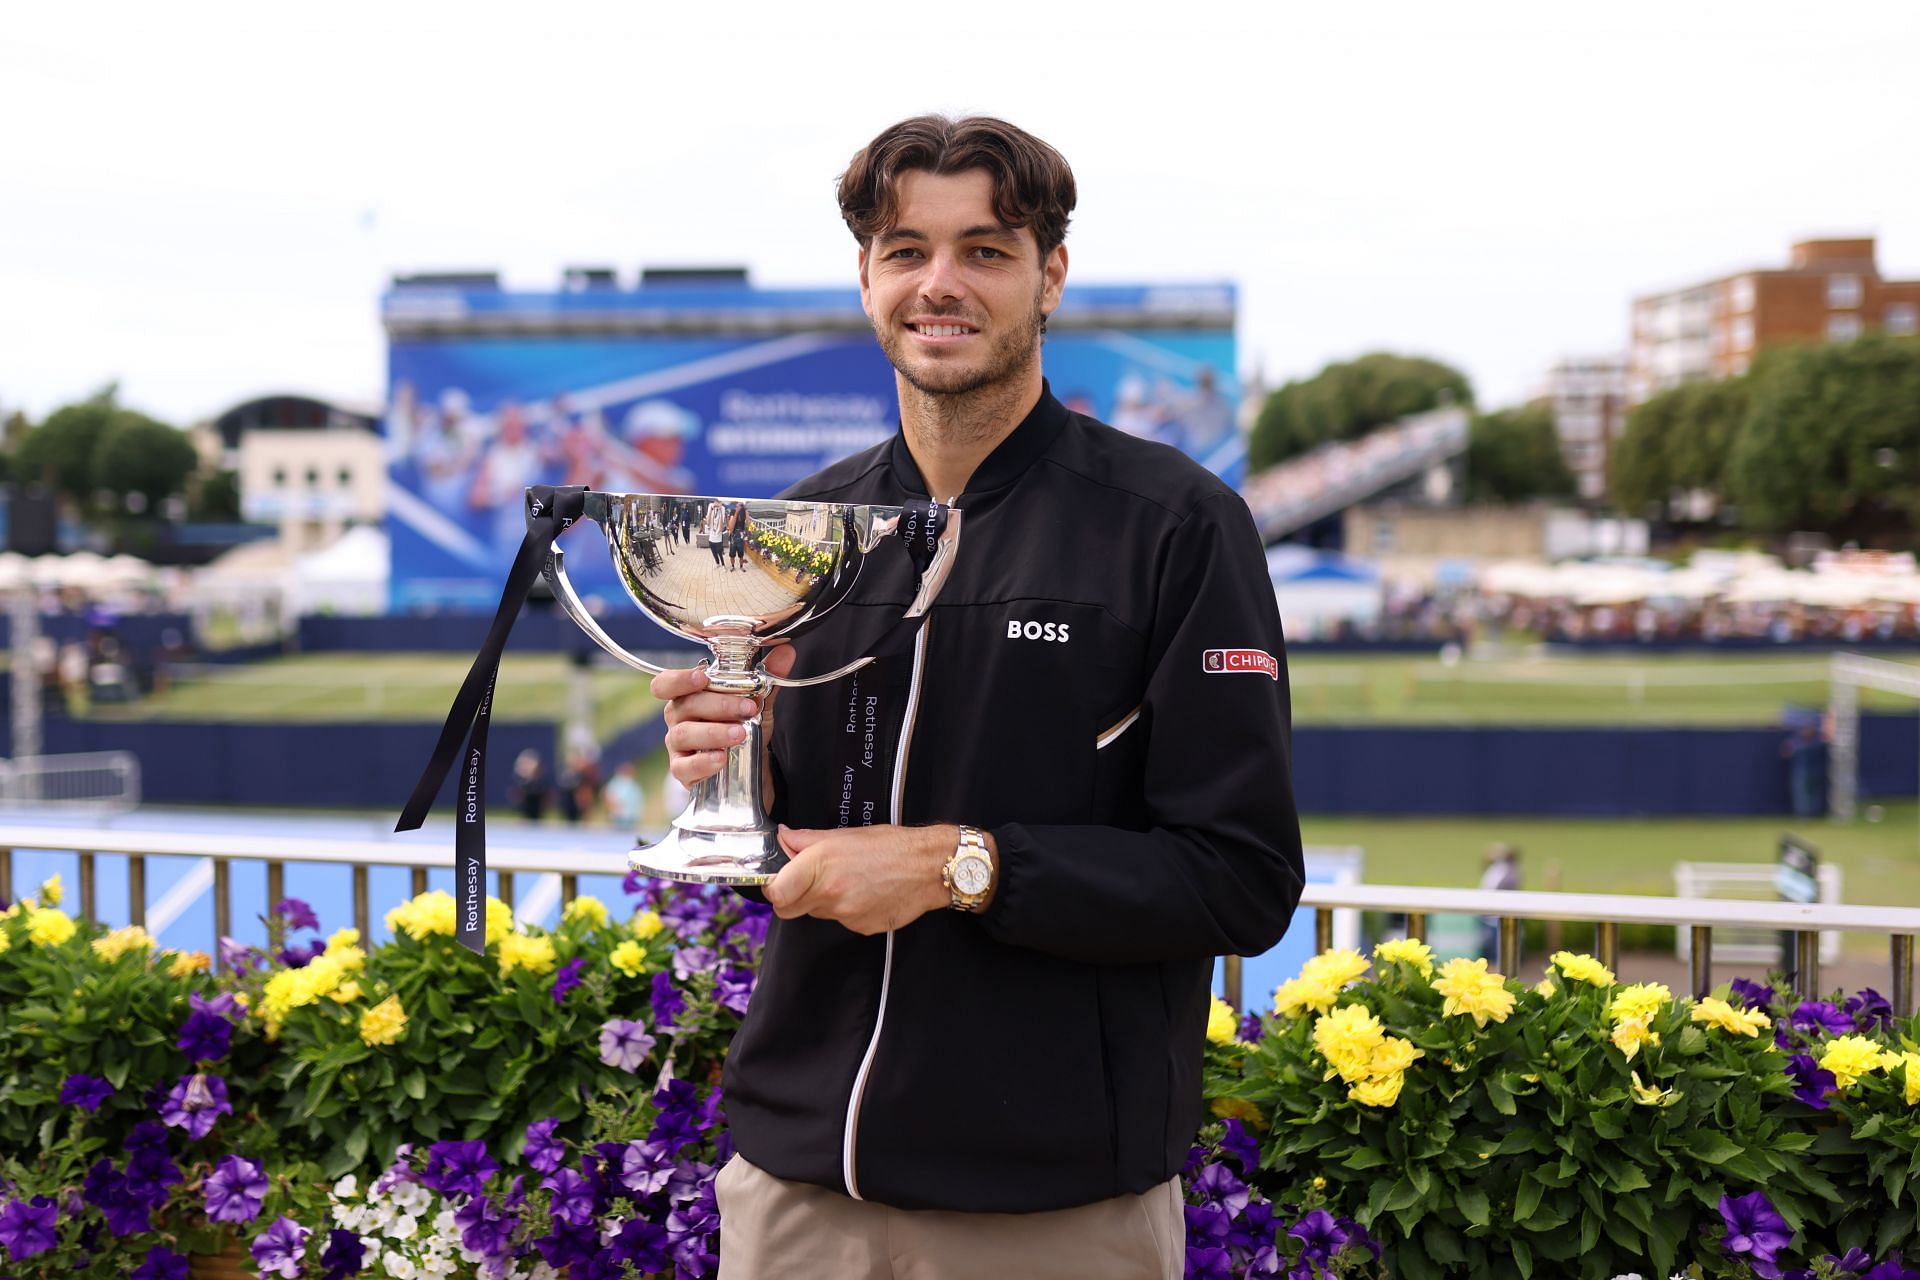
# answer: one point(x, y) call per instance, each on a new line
point(1711, 1147)
point(1527, 1198)
point(1500, 1096)
point(1472, 1202)
point(1522, 1256)
point(1403, 1195)
point(356, 1143)
point(1364, 1158)
point(414, 1084)
point(1442, 1244)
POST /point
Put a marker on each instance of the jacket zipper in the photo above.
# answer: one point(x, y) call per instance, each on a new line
point(886, 971)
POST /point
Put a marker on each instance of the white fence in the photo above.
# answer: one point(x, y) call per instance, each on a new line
point(87, 781)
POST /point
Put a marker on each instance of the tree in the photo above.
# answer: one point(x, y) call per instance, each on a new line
point(140, 456)
point(1346, 400)
point(216, 497)
point(1676, 441)
point(1831, 439)
point(59, 452)
point(1514, 455)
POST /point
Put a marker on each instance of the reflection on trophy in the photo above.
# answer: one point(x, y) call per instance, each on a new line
point(776, 567)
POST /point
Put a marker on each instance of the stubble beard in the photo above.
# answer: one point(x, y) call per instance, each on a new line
point(1010, 356)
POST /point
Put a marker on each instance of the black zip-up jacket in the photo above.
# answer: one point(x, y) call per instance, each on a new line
point(1100, 684)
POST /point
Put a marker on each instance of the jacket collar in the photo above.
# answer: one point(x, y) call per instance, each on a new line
point(1009, 459)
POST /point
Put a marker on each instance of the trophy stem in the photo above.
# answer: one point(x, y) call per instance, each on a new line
point(723, 836)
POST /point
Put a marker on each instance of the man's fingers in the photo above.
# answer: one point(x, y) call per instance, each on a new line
point(669, 685)
point(704, 735)
point(787, 892)
point(715, 707)
point(779, 660)
point(795, 839)
point(695, 766)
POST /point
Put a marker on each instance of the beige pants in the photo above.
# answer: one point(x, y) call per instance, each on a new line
point(772, 1229)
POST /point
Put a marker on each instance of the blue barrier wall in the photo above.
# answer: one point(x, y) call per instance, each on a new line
point(537, 630)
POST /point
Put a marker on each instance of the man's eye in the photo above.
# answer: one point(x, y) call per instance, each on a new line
point(904, 253)
point(987, 251)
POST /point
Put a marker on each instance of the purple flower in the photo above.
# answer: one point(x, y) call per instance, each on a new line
point(195, 1103)
point(1251, 1029)
point(301, 957)
point(668, 1003)
point(1811, 1082)
point(1813, 1015)
point(1854, 1263)
point(572, 1197)
point(1751, 995)
point(733, 988)
point(544, 1151)
point(161, 1264)
point(296, 913)
point(568, 978)
point(127, 1209)
point(642, 1243)
point(1869, 1010)
point(568, 1245)
point(1357, 1235)
point(344, 1255)
point(85, 1092)
point(1217, 1185)
point(1208, 1263)
point(1241, 1145)
point(205, 1036)
point(484, 1228)
point(688, 961)
point(1755, 1232)
point(458, 1168)
point(279, 1249)
point(235, 1190)
point(237, 955)
point(624, 1044)
point(645, 1167)
point(1319, 1235)
point(1207, 1224)
point(27, 1227)
point(225, 1005)
point(1892, 1269)
point(633, 883)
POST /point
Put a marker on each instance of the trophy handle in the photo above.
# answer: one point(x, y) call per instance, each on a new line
point(556, 572)
point(788, 682)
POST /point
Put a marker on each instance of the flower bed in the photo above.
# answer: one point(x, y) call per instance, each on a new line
point(553, 1105)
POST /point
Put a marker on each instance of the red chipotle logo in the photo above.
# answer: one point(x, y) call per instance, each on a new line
point(1217, 662)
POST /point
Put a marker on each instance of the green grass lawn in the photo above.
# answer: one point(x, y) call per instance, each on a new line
point(1655, 689)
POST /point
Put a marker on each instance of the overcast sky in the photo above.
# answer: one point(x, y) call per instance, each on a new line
point(204, 201)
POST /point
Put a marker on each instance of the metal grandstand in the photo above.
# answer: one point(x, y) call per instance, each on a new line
point(1289, 497)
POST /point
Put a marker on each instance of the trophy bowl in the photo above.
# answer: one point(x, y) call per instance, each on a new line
point(742, 575)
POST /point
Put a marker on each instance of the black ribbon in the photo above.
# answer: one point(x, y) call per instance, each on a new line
point(551, 511)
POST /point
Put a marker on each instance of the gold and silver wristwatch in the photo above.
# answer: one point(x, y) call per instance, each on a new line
point(969, 872)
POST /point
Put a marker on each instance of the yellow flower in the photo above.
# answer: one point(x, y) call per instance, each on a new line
point(116, 944)
point(291, 989)
point(343, 938)
point(1641, 1000)
point(1583, 969)
point(422, 917)
point(51, 891)
point(347, 993)
point(47, 927)
point(1336, 968)
point(5, 942)
point(1296, 995)
point(1469, 989)
point(1381, 1091)
point(520, 951)
point(1739, 1022)
point(1319, 1183)
point(499, 920)
point(1238, 1109)
point(586, 907)
point(1850, 1057)
point(1221, 1024)
point(1394, 1056)
point(1347, 1038)
point(385, 1023)
point(1648, 1096)
point(629, 958)
point(1630, 1033)
point(186, 963)
point(646, 924)
point(1407, 951)
point(350, 958)
point(1545, 988)
point(1912, 1074)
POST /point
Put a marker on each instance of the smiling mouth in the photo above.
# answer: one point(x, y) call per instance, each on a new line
point(943, 330)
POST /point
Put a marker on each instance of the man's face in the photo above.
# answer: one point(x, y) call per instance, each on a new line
point(955, 297)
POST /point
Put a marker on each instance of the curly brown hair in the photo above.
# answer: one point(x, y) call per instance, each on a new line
point(1032, 185)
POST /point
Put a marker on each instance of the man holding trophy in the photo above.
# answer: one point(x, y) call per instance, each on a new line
point(1014, 845)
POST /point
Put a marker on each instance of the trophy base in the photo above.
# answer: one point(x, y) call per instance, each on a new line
point(711, 857)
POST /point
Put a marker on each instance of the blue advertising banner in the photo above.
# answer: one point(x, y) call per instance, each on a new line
point(492, 391)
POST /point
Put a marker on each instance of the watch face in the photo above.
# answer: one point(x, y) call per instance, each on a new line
point(970, 875)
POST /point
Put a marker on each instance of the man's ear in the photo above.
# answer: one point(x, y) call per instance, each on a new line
point(1054, 269)
point(866, 292)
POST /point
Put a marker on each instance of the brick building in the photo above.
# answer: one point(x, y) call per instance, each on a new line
point(1588, 396)
point(1830, 290)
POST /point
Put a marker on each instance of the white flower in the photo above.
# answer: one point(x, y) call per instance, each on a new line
point(412, 1197)
point(379, 1215)
point(350, 1216)
point(403, 1227)
point(444, 1224)
point(347, 1188)
point(438, 1268)
point(371, 1244)
point(541, 1271)
point(400, 1267)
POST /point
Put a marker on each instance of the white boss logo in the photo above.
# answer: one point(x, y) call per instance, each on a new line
point(1055, 631)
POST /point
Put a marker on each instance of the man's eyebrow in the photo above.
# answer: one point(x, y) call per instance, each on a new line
point(899, 233)
point(990, 231)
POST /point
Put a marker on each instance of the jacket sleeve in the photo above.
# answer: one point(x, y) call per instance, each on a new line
point(1218, 871)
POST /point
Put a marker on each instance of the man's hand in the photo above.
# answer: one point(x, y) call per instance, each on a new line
point(702, 725)
point(870, 879)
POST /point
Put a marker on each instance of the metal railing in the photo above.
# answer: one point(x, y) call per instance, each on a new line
point(88, 781)
point(1607, 912)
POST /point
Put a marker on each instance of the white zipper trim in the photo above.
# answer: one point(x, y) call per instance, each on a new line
point(1100, 743)
point(886, 971)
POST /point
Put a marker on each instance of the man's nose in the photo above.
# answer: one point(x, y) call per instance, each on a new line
point(942, 281)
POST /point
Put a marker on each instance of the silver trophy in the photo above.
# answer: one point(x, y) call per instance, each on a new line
point(742, 575)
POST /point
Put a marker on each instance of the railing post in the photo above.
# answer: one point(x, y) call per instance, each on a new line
point(1700, 953)
point(222, 907)
point(137, 889)
point(276, 884)
point(89, 889)
point(1806, 963)
point(362, 912)
point(1606, 944)
point(1230, 978)
point(1322, 927)
point(569, 888)
point(6, 876)
point(1902, 994)
point(506, 888)
point(419, 881)
point(1417, 925)
point(1509, 945)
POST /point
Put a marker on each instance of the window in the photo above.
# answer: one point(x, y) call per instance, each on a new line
point(346, 477)
point(1743, 334)
point(279, 477)
point(1843, 328)
point(1903, 317)
point(313, 477)
point(1742, 298)
point(1843, 290)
